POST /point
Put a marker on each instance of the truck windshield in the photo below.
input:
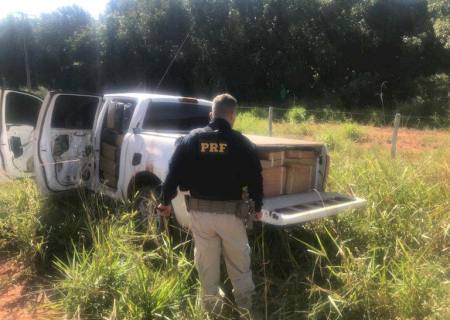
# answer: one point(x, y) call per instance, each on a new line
point(175, 116)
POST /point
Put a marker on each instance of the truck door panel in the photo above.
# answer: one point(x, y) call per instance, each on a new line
point(65, 144)
point(19, 113)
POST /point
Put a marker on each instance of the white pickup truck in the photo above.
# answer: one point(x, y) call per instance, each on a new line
point(117, 144)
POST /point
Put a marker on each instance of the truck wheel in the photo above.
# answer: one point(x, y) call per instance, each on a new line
point(148, 220)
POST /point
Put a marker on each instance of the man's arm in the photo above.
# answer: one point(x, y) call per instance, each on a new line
point(255, 187)
point(253, 174)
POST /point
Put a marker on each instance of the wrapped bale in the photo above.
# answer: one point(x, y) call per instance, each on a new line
point(274, 181)
point(301, 166)
point(299, 178)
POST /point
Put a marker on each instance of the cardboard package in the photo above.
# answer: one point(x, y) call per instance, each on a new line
point(111, 116)
point(108, 166)
point(271, 163)
point(286, 172)
point(300, 154)
point(274, 181)
point(301, 166)
point(271, 156)
point(301, 162)
point(110, 152)
point(271, 159)
point(109, 179)
point(299, 178)
point(112, 137)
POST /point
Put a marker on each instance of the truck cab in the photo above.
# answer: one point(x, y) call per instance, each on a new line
point(118, 144)
point(19, 112)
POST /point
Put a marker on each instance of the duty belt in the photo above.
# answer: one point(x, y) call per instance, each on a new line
point(239, 208)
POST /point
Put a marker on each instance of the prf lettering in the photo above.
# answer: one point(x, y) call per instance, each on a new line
point(212, 147)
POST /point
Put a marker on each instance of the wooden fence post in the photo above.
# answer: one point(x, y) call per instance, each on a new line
point(394, 135)
point(270, 120)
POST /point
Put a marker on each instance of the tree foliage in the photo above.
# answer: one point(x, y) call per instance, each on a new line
point(349, 51)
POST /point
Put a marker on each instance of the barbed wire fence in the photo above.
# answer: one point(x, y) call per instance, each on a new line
point(301, 115)
point(370, 117)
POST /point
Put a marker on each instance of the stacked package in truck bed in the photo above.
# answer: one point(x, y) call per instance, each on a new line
point(287, 172)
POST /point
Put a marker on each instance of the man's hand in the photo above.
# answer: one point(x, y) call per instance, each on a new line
point(164, 211)
point(258, 215)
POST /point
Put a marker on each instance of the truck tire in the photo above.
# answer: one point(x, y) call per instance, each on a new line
point(148, 220)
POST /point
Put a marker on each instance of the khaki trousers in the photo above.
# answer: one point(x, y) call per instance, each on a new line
point(216, 234)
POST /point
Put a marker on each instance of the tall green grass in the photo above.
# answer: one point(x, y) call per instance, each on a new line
point(102, 265)
point(116, 278)
point(333, 136)
point(20, 225)
point(387, 261)
point(36, 229)
point(391, 260)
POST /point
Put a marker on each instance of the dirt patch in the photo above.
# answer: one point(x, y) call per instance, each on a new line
point(409, 140)
point(21, 296)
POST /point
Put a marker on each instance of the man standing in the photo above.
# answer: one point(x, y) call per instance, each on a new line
point(215, 164)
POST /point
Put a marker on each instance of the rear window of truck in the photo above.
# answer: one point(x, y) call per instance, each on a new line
point(74, 112)
point(175, 116)
point(21, 109)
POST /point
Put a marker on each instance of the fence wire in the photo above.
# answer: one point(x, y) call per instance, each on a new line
point(371, 117)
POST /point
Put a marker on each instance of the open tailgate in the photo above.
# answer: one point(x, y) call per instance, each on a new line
point(293, 209)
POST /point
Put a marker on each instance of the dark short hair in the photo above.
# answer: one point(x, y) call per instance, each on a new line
point(224, 104)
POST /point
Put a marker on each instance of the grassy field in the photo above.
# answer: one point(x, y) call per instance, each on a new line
point(388, 261)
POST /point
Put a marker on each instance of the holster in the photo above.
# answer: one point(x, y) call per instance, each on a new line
point(245, 209)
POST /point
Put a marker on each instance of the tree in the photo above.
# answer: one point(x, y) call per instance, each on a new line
point(16, 42)
point(68, 50)
point(141, 38)
point(259, 50)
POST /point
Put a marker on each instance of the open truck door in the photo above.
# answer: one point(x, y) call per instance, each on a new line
point(18, 113)
point(64, 154)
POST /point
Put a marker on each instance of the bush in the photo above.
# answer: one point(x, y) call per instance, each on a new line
point(330, 114)
point(360, 89)
point(433, 94)
point(260, 112)
point(296, 115)
point(248, 122)
point(331, 140)
point(340, 136)
point(354, 132)
point(40, 91)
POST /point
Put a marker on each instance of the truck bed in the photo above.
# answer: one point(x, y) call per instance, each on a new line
point(275, 144)
point(262, 142)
